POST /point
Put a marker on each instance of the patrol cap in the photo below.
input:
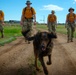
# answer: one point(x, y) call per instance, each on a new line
point(70, 9)
point(52, 11)
point(28, 2)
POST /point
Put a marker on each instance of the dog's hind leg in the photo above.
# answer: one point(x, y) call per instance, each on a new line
point(49, 58)
point(43, 65)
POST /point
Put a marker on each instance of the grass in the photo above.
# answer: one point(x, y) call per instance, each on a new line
point(10, 34)
point(60, 29)
point(31, 64)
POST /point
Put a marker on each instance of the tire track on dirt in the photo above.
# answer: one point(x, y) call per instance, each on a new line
point(15, 60)
point(9, 49)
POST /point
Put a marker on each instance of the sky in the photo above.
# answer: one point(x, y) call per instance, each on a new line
point(13, 9)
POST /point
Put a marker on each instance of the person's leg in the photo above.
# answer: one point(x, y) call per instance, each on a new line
point(29, 27)
point(72, 32)
point(68, 33)
point(2, 35)
point(1, 30)
point(24, 29)
point(53, 27)
point(49, 27)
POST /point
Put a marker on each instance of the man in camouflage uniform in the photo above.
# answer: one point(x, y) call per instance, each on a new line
point(1, 23)
point(28, 14)
point(70, 24)
point(52, 21)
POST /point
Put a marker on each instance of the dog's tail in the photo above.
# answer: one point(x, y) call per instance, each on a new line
point(30, 38)
point(25, 33)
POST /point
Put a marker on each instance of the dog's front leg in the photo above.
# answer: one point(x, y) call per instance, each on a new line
point(49, 58)
point(43, 65)
point(36, 63)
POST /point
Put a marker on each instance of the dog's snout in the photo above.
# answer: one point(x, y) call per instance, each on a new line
point(43, 45)
point(43, 48)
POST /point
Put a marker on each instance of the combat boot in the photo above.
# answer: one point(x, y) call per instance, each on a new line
point(71, 39)
point(68, 40)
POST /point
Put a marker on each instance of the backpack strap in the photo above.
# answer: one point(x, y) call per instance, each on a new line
point(69, 15)
point(1, 13)
point(32, 10)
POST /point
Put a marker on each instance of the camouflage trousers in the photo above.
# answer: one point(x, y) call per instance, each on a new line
point(51, 27)
point(70, 31)
point(27, 25)
point(1, 28)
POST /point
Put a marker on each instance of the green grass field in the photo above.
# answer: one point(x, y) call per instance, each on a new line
point(11, 32)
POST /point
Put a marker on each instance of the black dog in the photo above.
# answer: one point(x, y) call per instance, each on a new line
point(43, 46)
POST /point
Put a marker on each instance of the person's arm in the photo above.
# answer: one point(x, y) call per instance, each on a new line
point(47, 20)
point(21, 22)
point(22, 17)
point(66, 22)
point(3, 18)
point(75, 20)
point(34, 16)
point(55, 20)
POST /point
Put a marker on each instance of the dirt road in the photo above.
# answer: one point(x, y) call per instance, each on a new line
point(16, 58)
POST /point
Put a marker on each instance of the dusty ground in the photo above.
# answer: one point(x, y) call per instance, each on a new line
point(16, 58)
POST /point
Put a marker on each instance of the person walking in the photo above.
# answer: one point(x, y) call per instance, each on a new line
point(70, 24)
point(52, 22)
point(27, 18)
point(1, 23)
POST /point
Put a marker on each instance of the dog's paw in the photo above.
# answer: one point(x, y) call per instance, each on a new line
point(49, 63)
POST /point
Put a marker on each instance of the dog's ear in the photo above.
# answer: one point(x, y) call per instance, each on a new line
point(52, 35)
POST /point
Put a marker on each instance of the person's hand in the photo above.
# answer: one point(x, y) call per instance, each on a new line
point(34, 22)
point(47, 25)
point(65, 26)
point(56, 26)
point(75, 23)
point(21, 23)
point(3, 23)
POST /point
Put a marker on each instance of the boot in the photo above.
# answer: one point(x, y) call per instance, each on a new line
point(68, 40)
point(71, 39)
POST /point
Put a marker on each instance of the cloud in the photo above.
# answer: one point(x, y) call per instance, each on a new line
point(52, 7)
point(74, 2)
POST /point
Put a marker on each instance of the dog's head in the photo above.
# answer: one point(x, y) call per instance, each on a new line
point(42, 39)
point(45, 39)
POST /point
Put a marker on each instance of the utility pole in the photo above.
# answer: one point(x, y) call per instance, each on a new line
point(44, 19)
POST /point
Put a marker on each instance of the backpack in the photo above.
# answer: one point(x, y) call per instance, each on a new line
point(25, 10)
point(51, 15)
